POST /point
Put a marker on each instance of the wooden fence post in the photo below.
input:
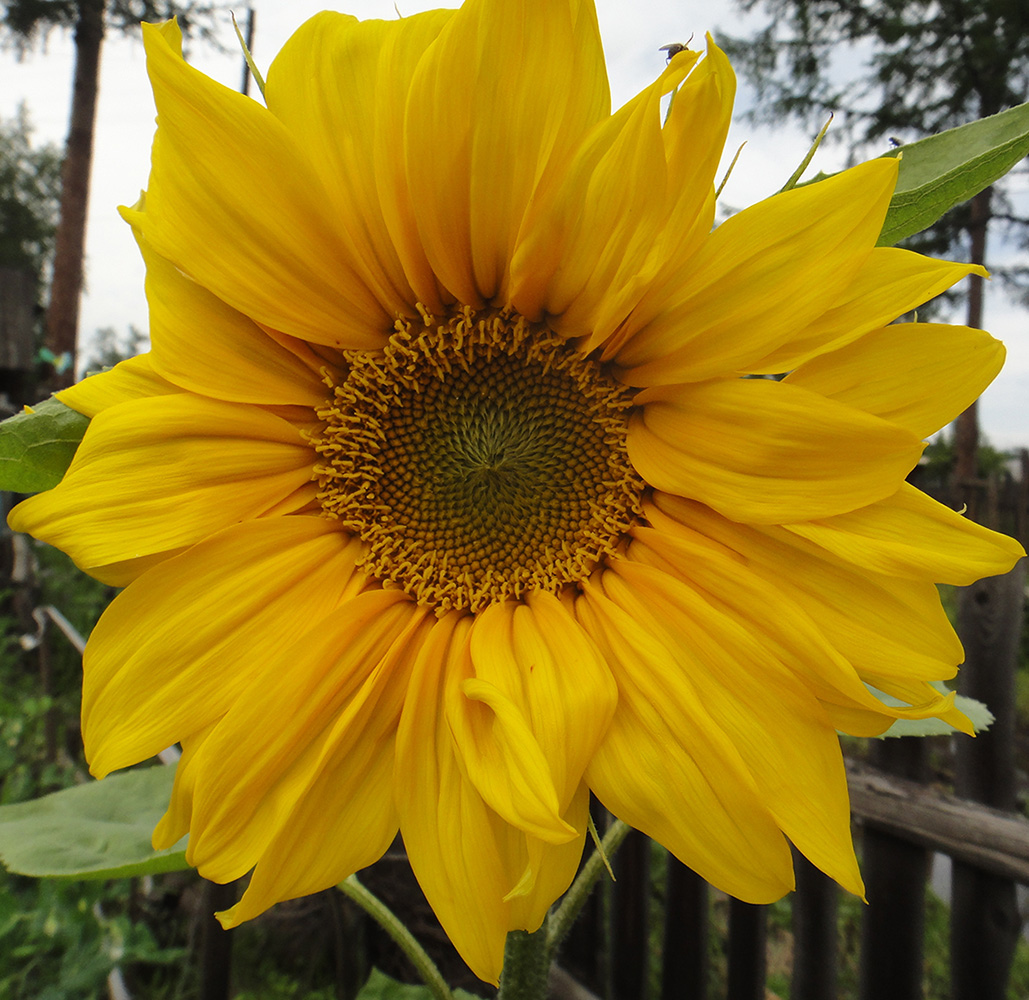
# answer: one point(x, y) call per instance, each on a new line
point(685, 966)
point(748, 960)
point(984, 920)
point(629, 924)
point(895, 872)
point(215, 942)
point(814, 933)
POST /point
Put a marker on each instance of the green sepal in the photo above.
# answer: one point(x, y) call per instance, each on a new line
point(945, 170)
point(381, 987)
point(37, 446)
point(97, 830)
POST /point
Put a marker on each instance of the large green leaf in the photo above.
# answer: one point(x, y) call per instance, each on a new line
point(946, 169)
point(36, 446)
point(97, 830)
point(381, 987)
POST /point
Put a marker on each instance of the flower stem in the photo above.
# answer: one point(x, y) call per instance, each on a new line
point(391, 924)
point(527, 957)
point(526, 964)
point(563, 917)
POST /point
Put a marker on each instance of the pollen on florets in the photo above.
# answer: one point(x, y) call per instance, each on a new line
point(479, 457)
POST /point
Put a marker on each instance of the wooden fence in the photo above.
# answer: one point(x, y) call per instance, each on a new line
point(900, 823)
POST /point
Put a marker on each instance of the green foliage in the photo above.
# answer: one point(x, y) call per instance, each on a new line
point(280, 986)
point(30, 187)
point(100, 829)
point(37, 447)
point(938, 459)
point(61, 940)
point(381, 987)
point(40, 745)
point(945, 170)
point(25, 765)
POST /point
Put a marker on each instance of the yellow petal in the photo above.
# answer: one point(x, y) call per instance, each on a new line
point(891, 283)
point(761, 275)
point(911, 535)
point(319, 700)
point(131, 379)
point(162, 472)
point(702, 106)
point(877, 622)
point(505, 92)
point(448, 830)
point(504, 761)
point(766, 452)
point(166, 657)
point(122, 572)
point(328, 87)
point(538, 656)
point(593, 228)
point(174, 824)
point(234, 203)
point(345, 821)
point(201, 344)
point(925, 697)
point(887, 373)
point(781, 732)
point(664, 762)
point(547, 869)
point(402, 49)
point(782, 620)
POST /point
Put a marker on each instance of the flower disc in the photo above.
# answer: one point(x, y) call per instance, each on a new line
point(479, 457)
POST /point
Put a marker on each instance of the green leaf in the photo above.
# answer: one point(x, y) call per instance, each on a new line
point(946, 169)
point(381, 987)
point(97, 830)
point(37, 447)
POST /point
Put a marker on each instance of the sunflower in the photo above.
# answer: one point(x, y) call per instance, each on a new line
point(444, 497)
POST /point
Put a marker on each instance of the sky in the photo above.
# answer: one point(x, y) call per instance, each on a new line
point(632, 34)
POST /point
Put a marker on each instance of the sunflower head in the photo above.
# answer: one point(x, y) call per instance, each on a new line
point(478, 458)
point(446, 494)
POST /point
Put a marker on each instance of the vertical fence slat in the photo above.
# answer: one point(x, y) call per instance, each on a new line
point(685, 966)
point(629, 928)
point(748, 935)
point(985, 923)
point(814, 934)
point(895, 872)
point(216, 943)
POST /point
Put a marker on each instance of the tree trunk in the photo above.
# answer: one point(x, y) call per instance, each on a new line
point(966, 428)
point(62, 318)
